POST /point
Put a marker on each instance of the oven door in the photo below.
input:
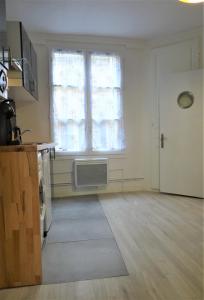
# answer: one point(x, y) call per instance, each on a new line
point(3, 82)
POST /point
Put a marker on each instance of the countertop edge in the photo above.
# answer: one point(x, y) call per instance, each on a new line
point(31, 147)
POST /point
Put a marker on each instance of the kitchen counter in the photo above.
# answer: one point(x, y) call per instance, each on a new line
point(20, 212)
point(28, 147)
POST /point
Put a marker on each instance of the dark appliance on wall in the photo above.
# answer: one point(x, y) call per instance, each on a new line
point(10, 134)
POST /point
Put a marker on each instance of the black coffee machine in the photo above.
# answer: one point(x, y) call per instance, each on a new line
point(10, 134)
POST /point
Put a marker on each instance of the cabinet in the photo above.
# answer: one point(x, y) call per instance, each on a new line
point(23, 85)
point(20, 215)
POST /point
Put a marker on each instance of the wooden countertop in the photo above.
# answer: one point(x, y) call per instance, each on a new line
point(30, 147)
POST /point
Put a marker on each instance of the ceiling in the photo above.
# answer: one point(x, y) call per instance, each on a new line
point(122, 18)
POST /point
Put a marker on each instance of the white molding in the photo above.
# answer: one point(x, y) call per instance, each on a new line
point(52, 39)
point(171, 39)
point(109, 156)
point(62, 40)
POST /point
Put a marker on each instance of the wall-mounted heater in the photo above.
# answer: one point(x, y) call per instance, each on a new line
point(90, 172)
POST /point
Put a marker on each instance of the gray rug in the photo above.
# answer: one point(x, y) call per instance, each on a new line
point(80, 244)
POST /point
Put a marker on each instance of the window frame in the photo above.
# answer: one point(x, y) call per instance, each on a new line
point(88, 128)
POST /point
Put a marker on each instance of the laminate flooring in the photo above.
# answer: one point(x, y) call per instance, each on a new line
point(161, 241)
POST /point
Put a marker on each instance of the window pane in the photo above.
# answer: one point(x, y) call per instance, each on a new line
point(103, 99)
point(69, 101)
point(105, 71)
point(69, 135)
point(107, 136)
point(106, 106)
point(68, 69)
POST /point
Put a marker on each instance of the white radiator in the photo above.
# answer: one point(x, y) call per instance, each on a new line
point(90, 172)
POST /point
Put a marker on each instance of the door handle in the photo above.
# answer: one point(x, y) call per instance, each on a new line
point(162, 140)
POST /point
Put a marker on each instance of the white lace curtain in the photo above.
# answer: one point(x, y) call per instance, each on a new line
point(82, 122)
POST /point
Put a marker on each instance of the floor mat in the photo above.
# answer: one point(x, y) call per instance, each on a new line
point(71, 230)
point(80, 244)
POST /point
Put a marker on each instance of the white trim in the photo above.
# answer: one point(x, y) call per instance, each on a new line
point(88, 102)
point(52, 39)
point(90, 153)
point(175, 38)
point(62, 156)
point(50, 51)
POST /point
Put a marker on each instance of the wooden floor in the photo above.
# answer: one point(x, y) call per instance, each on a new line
point(160, 238)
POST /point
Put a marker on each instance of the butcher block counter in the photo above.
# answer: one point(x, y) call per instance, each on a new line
point(20, 237)
point(30, 147)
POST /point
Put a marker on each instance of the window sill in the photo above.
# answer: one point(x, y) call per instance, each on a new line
point(64, 155)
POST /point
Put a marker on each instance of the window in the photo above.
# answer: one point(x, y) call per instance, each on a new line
point(87, 102)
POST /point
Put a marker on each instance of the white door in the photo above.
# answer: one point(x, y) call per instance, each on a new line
point(181, 135)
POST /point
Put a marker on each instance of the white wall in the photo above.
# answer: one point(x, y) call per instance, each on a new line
point(143, 66)
point(126, 169)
